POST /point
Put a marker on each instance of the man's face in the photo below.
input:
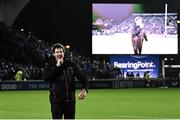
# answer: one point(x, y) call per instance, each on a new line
point(138, 21)
point(59, 53)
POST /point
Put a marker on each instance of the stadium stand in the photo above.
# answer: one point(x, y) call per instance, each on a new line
point(153, 24)
point(22, 49)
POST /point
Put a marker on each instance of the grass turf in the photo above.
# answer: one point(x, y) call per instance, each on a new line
point(142, 103)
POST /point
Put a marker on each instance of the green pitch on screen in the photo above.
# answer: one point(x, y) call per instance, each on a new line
point(141, 103)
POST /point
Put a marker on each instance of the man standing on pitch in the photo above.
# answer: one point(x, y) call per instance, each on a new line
point(60, 74)
point(138, 35)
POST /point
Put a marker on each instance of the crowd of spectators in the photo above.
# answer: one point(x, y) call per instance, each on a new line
point(95, 69)
point(21, 49)
point(153, 24)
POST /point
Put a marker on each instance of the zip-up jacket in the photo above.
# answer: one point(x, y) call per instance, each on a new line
point(62, 80)
point(136, 30)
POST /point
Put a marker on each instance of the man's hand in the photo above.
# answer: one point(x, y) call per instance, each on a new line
point(59, 61)
point(141, 26)
point(82, 94)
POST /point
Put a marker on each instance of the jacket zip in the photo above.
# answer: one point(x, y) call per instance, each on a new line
point(65, 78)
point(54, 90)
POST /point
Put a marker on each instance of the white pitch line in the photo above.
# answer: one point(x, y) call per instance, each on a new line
point(141, 117)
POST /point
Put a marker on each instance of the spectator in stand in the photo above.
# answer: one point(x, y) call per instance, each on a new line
point(19, 75)
point(146, 77)
point(138, 76)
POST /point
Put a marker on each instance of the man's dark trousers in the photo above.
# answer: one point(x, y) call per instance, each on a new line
point(66, 108)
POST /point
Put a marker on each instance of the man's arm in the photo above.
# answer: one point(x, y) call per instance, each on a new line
point(83, 80)
point(81, 77)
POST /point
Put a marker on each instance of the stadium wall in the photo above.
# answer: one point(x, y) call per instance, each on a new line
point(96, 84)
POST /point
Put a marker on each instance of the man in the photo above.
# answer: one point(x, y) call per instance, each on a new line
point(61, 75)
point(138, 35)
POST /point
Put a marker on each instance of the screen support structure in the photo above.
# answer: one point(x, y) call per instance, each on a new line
point(165, 23)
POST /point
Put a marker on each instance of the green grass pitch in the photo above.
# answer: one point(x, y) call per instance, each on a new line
point(133, 103)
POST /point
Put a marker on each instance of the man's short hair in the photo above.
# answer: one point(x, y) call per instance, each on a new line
point(56, 46)
point(137, 18)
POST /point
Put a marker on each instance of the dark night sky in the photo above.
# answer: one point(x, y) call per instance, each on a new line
point(69, 21)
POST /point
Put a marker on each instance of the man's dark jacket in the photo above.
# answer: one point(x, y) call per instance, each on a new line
point(62, 80)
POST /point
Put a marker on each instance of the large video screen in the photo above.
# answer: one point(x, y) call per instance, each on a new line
point(121, 28)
